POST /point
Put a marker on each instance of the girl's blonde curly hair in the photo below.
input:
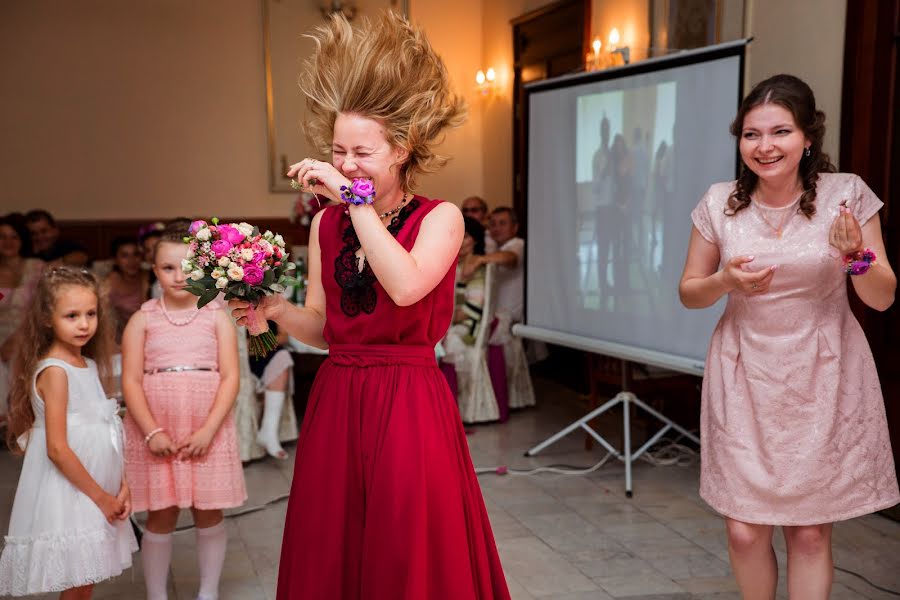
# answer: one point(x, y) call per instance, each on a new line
point(384, 69)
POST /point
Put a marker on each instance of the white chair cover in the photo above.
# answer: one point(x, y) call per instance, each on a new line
point(476, 399)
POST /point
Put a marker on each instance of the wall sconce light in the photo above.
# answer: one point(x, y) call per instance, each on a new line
point(614, 48)
point(486, 81)
point(612, 56)
point(347, 9)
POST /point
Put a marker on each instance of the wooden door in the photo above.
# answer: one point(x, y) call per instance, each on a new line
point(549, 41)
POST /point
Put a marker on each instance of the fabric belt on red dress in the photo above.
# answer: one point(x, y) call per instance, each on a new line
point(377, 355)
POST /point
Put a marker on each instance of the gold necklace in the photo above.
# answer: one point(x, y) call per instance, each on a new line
point(784, 220)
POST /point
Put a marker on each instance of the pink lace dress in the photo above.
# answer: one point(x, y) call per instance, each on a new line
point(180, 403)
point(793, 425)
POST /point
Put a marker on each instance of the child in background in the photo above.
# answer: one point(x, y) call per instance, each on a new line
point(69, 527)
point(180, 378)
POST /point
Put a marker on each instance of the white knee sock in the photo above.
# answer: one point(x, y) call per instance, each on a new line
point(156, 555)
point(211, 542)
point(268, 430)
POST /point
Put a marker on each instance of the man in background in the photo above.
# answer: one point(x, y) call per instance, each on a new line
point(477, 208)
point(47, 245)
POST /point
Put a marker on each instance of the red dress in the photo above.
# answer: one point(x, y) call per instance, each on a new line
point(384, 503)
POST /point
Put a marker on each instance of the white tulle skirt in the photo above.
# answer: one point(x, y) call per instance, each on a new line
point(58, 538)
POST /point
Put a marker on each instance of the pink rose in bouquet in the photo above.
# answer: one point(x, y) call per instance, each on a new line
point(253, 274)
point(221, 247)
point(230, 234)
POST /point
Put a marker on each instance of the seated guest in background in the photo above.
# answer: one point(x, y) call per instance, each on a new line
point(148, 236)
point(273, 373)
point(47, 245)
point(477, 208)
point(469, 294)
point(510, 284)
point(18, 278)
point(128, 285)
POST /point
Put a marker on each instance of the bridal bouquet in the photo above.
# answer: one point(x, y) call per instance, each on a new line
point(236, 260)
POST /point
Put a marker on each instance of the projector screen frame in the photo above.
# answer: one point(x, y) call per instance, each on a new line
point(685, 58)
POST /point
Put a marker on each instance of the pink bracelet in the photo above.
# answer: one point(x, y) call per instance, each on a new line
point(150, 435)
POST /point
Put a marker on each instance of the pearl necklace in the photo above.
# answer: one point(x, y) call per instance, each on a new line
point(177, 322)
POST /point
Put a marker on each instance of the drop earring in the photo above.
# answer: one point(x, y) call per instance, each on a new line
point(808, 152)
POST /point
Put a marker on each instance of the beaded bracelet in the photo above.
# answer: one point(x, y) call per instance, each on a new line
point(858, 263)
point(361, 191)
point(150, 435)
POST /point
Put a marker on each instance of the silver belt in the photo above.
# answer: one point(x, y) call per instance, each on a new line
point(177, 369)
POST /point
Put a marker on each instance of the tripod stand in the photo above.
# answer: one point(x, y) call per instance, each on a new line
point(626, 399)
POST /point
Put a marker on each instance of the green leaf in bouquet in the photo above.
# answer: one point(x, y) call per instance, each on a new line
point(255, 231)
point(207, 297)
point(276, 287)
point(268, 278)
point(288, 280)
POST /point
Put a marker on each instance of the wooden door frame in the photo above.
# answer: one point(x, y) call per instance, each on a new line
point(519, 112)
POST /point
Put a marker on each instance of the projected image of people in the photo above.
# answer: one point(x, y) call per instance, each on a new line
point(622, 184)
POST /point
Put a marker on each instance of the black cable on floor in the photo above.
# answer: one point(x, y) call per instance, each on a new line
point(864, 578)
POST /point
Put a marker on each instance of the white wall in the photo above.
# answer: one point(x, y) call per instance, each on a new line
point(156, 108)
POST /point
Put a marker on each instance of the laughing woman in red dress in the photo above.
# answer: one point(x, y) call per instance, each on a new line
point(385, 503)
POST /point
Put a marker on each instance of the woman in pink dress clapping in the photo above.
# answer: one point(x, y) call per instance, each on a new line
point(793, 422)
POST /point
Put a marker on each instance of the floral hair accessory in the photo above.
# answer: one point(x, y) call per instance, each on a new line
point(361, 191)
point(858, 263)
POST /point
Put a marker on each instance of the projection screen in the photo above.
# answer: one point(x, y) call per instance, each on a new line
point(616, 161)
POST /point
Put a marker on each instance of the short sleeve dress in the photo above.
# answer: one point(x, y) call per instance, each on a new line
point(793, 424)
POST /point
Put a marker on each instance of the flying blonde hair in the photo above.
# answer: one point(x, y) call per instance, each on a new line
point(384, 69)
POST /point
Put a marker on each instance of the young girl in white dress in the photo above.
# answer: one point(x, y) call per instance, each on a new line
point(69, 526)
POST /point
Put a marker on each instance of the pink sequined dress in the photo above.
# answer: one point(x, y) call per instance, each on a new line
point(180, 403)
point(793, 425)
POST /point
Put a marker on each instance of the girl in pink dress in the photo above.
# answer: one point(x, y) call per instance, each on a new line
point(385, 503)
point(793, 422)
point(180, 378)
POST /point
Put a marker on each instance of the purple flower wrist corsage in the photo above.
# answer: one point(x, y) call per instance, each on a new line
point(858, 263)
point(361, 191)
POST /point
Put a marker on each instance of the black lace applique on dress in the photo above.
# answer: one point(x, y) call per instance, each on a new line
point(358, 287)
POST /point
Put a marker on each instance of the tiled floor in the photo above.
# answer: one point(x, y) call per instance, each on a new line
point(560, 537)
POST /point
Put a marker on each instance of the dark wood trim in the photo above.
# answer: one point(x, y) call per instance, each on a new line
point(96, 236)
point(870, 147)
point(546, 9)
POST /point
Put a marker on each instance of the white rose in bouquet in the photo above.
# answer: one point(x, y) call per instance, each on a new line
point(186, 266)
point(235, 272)
point(217, 273)
point(224, 261)
point(245, 228)
point(203, 234)
point(197, 274)
point(221, 282)
point(247, 254)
